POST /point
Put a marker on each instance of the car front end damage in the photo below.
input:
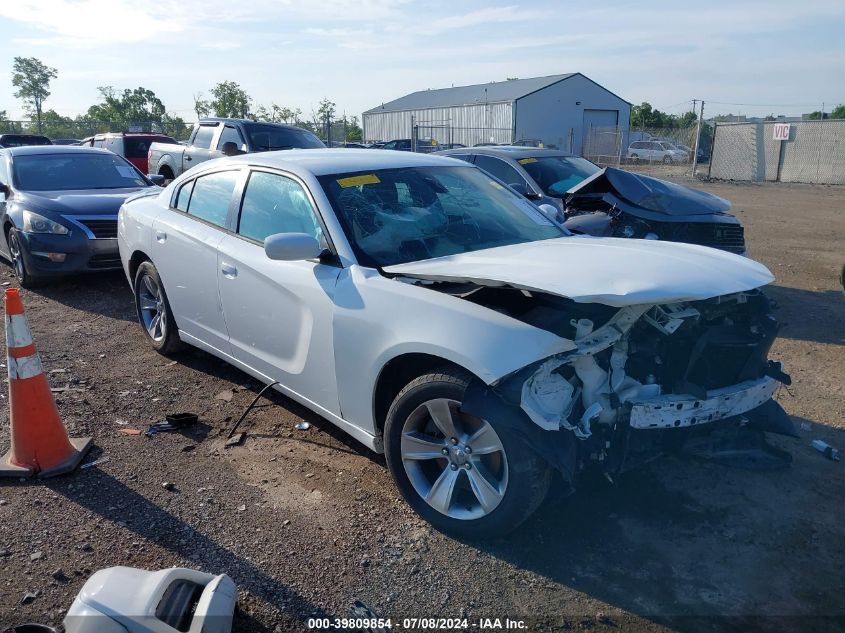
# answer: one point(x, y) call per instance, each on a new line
point(643, 380)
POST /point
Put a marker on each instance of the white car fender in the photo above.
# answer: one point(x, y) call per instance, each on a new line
point(486, 343)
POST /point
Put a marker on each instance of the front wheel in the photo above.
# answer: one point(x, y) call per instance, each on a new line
point(466, 476)
point(154, 311)
point(667, 160)
point(16, 251)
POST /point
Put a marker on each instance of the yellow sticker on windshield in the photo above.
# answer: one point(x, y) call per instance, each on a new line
point(525, 161)
point(354, 181)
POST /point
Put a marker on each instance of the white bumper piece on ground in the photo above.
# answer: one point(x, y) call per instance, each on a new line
point(127, 600)
point(675, 411)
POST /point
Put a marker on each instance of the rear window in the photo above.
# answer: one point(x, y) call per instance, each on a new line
point(137, 147)
point(21, 140)
point(267, 138)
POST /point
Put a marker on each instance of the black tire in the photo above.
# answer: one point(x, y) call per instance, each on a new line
point(527, 475)
point(168, 342)
point(168, 175)
point(667, 160)
point(635, 159)
point(17, 248)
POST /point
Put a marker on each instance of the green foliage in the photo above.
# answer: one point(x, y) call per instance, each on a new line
point(838, 112)
point(138, 107)
point(201, 105)
point(32, 80)
point(230, 100)
point(278, 114)
point(643, 116)
point(354, 131)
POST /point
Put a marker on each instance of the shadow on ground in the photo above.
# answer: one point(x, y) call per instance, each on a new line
point(157, 525)
point(107, 294)
point(810, 315)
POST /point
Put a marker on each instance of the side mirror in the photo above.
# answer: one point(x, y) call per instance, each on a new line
point(551, 212)
point(291, 247)
point(230, 149)
point(524, 190)
point(156, 179)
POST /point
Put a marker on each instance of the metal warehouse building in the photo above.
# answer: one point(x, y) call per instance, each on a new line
point(563, 111)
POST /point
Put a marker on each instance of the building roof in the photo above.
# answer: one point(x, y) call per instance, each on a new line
point(493, 92)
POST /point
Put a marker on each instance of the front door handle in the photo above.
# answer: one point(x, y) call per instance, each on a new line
point(161, 237)
point(188, 158)
point(229, 271)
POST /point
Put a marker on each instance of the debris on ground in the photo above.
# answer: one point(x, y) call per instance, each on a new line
point(130, 431)
point(172, 422)
point(102, 460)
point(302, 425)
point(168, 485)
point(30, 596)
point(225, 396)
point(826, 449)
point(235, 440)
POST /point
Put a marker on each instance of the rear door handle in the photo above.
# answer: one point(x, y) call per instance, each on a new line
point(188, 158)
point(161, 236)
point(229, 271)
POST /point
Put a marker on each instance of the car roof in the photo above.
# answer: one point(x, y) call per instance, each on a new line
point(514, 152)
point(320, 162)
point(29, 150)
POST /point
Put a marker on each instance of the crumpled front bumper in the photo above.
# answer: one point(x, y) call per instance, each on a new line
point(676, 411)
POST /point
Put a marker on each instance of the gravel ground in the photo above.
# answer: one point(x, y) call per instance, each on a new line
point(306, 522)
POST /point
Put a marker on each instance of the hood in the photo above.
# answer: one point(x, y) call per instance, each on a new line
point(86, 201)
point(611, 271)
point(651, 194)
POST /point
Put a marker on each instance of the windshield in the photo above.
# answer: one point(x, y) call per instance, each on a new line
point(557, 174)
point(57, 172)
point(395, 216)
point(265, 138)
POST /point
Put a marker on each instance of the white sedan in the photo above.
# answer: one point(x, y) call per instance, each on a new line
point(434, 314)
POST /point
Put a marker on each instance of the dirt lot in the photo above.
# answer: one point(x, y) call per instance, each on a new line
point(306, 522)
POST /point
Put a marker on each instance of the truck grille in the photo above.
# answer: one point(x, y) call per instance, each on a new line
point(727, 237)
point(102, 229)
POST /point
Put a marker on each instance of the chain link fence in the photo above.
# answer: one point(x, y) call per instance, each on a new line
point(81, 128)
point(429, 137)
point(810, 152)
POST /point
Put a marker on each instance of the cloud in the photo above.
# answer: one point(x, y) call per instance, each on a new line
point(491, 15)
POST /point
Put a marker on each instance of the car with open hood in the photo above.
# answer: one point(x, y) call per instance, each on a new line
point(58, 206)
point(439, 317)
point(610, 202)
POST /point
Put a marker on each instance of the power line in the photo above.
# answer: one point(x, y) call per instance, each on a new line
point(772, 105)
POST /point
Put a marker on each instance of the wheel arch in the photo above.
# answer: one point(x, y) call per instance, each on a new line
point(397, 373)
point(137, 258)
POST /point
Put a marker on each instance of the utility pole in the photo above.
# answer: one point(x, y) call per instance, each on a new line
point(697, 138)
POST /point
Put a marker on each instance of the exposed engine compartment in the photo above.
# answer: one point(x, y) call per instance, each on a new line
point(638, 372)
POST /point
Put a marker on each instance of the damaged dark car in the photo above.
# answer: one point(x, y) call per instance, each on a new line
point(610, 202)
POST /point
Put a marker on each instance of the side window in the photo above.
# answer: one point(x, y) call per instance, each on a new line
point(212, 195)
point(4, 172)
point(500, 169)
point(230, 135)
point(99, 142)
point(276, 204)
point(204, 135)
point(184, 196)
point(464, 157)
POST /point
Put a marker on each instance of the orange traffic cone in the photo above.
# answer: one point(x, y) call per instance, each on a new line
point(40, 444)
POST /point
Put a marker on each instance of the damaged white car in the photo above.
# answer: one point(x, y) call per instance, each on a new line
point(436, 315)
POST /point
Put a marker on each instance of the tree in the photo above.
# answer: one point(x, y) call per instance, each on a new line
point(323, 116)
point(838, 112)
point(230, 100)
point(201, 105)
point(32, 80)
point(815, 116)
point(354, 131)
point(138, 107)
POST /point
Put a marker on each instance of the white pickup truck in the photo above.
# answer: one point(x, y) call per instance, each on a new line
point(213, 138)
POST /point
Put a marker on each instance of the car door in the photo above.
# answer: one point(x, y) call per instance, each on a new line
point(184, 250)
point(280, 313)
point(200, 148)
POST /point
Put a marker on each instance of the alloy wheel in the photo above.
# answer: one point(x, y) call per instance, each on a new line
point(151, 307)
point(454, 461)
point(17, 257)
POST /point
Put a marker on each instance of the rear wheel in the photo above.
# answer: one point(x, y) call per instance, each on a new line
point(667, 160)
point(635, 158)
point(16, 251)
point(464, 475)
point(154, 311)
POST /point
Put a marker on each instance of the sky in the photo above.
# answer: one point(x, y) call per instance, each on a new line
point(753, 58)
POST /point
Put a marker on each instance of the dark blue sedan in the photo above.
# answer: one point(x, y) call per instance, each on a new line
point(58, 206)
